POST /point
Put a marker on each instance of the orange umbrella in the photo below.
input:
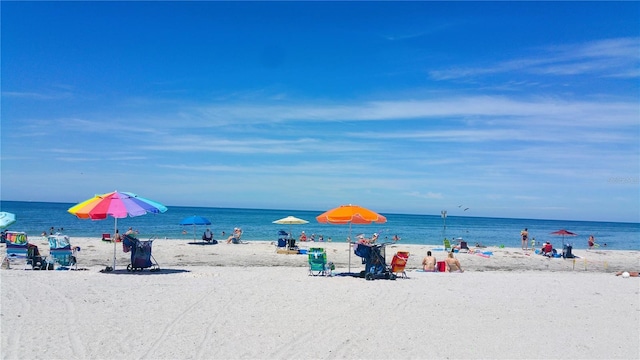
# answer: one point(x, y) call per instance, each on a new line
point(350, 214)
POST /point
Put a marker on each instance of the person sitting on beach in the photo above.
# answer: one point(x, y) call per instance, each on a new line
point(362, 239)
point(131, 232)
point(631, 273)
point(303, 237)
point(118, 237)
point(235, 238)
point(547, 249)
point(453, 265)
point(374, 238)
point(429, 263)
point(208, 235)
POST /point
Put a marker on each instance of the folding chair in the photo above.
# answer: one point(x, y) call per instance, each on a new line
point(447, 244)
point(399, 262)
point(317, 261)
point(61, 252)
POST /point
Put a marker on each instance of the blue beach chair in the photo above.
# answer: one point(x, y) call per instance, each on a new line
point(61, 252)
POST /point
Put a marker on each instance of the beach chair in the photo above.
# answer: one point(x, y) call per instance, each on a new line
point(17, 249)
point(447, 244)
point(61, 252)
point(399, 262)
point(106, 237)
point(283, 236)
point(464, 248)
point(317, 261)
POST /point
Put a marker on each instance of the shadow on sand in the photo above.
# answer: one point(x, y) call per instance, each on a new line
point(144, 272)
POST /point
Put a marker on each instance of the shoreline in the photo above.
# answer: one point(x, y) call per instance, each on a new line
point(175, 253)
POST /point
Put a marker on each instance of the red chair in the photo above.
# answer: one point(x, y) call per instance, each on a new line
point(399, 262)
point(106, 237)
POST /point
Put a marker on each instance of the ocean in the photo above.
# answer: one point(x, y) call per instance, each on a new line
point(36, 217)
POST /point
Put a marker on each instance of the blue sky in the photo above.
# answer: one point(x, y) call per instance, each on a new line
point(509, 109)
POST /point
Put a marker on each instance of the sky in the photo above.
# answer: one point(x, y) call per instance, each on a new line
point(506, 109)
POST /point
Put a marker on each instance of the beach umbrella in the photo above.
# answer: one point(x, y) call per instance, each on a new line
point(564, 233)
point(6, 219)
point(118, 205)
point(350, 214)
point(290, 220)
point(195, 220)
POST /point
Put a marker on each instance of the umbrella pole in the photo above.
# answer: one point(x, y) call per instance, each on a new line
point(349, 248)
point(114, 243)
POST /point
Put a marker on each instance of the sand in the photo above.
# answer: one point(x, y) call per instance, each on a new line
point(248, 302)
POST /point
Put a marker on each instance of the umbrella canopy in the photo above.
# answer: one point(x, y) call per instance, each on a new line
point(6, 219)
point(118, 205)
point(564, 233)
point(290, 220)
point(350, 214)
point(195, 220)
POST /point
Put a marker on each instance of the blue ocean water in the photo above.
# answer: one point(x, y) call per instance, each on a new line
point(36, 217)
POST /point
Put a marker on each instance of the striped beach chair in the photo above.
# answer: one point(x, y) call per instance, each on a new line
point(17, 249)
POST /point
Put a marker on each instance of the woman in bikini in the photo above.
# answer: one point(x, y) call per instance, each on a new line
point(453, 265)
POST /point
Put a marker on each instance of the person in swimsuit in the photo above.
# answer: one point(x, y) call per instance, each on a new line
point(429, 263)
point(235, 238)
point(453, 265)
point(525, 236)
point(591, 242)
point(631, 273)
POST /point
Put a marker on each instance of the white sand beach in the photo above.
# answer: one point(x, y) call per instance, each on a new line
point(246, 301)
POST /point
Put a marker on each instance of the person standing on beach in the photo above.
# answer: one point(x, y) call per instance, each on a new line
point(525, 236)
point(592, 242)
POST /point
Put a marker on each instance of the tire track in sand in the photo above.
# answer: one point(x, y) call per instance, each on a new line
point(167, 329)
point(77, 345)
point(14, 346)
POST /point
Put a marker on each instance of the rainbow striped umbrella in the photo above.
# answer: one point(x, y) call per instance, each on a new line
point(118, 205)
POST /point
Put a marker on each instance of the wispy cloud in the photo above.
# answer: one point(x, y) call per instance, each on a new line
point(37, 95)
point(609, 57)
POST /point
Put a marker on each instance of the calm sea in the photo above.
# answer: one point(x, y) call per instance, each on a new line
point(36, 217)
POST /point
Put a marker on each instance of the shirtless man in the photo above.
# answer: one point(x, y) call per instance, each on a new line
point(453, 265)
point(429, 263)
